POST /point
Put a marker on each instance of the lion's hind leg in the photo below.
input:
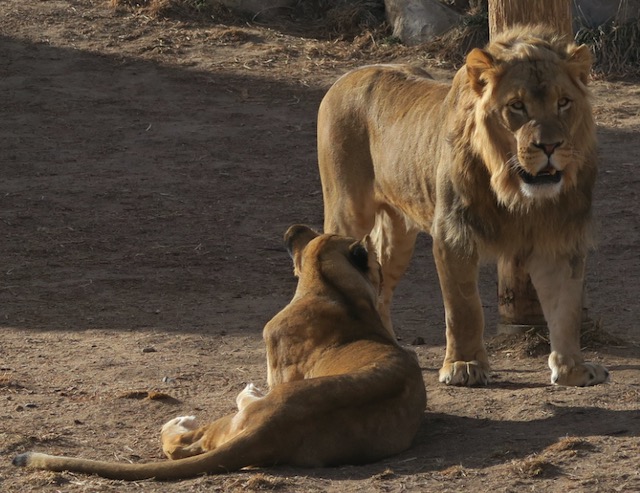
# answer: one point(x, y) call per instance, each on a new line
point(394, 242)
point(346, 167)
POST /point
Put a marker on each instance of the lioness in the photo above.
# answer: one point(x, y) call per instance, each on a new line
point(500, 163)
point(341, 389)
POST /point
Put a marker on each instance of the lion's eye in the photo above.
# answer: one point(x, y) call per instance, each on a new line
point(563, 103)
point(517, 106)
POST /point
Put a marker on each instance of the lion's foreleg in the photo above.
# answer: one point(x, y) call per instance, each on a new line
point(466, 361)
point(559, 284)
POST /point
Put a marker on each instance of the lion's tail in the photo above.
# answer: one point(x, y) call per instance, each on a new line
point(233, 455)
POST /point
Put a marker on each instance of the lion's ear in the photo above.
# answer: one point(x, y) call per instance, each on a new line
point(359, 255)
point(478, 62)
point(296, 239)
point(580, 61)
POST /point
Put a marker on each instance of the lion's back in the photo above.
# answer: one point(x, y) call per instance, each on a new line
point(389, 90)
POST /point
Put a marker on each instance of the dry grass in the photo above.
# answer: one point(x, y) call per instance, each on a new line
point(258, 482)
point(349, 19)
point(548, 463)
point(534, 467)
point(593, 336)
point(208, 10)
point(616, 48)
point(568, 444)
point(322, 19)
point(535, 341)
point(456, 471)
point(452, 47)
point(8, 382)
point(532, 343)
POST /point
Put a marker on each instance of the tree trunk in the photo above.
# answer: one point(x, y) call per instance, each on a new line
point(518, 304)
point(506, 13)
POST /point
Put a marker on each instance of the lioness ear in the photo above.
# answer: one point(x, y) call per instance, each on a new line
point(580, 60)
point(296, 239)
point(478, 62)
point(359, 255)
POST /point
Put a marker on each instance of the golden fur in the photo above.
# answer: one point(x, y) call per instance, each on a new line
point(341, 389)
point(500, 163)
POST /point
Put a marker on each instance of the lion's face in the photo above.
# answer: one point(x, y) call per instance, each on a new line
point(534, 118)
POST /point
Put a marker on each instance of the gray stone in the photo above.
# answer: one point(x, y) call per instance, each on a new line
point(594, 13)
point(418, 21)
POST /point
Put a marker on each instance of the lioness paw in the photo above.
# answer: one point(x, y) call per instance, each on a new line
point(179, 425)
point(465, 373)
point(579, 375)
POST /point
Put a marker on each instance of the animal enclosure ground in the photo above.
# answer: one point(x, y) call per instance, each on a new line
point(149, 170)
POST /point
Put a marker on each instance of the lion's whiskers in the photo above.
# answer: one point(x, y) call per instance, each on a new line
point(513, 163)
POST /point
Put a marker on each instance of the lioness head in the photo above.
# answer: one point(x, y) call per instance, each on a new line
point(345, 263)
point(533, 119)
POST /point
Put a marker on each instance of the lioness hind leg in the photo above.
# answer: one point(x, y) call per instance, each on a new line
point(394, 243)
point(466, 361)
point(559, 283)
point(181, 437)
point(248, 395)
point(181, 424)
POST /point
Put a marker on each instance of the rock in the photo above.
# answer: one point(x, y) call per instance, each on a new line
point(419, 21)
point(594, 13)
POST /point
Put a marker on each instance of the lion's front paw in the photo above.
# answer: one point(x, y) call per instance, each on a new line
point(465, 373)
point(179, 425)
point(576, 374)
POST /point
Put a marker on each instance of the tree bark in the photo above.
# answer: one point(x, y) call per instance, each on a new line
point(506, 13)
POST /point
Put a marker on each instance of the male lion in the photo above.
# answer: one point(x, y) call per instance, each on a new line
point(341, 389)
point(501, 163)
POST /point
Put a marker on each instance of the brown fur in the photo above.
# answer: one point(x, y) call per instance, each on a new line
point(400, 153)
point(341, 389)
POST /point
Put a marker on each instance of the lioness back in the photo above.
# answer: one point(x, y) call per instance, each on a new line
point(341, 389)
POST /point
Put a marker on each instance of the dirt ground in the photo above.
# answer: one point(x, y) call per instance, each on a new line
point(149, 170)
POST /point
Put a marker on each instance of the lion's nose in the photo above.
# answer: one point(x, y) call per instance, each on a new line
point(548, 149)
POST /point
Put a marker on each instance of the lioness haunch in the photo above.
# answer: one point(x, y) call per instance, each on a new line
point(341, 389)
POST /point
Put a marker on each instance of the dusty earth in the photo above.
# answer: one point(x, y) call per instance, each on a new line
point(149, 170)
